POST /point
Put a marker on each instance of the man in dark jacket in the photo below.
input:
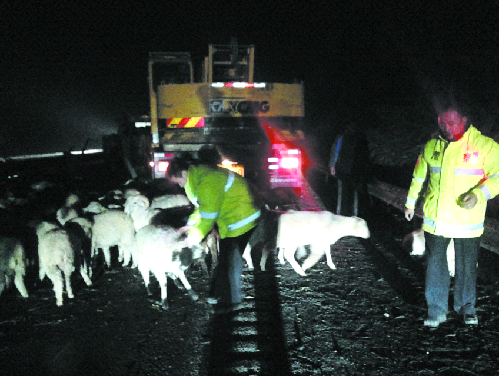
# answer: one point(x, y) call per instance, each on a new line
point(349, 163)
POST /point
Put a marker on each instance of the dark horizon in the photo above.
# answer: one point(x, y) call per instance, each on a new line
point(71, 71)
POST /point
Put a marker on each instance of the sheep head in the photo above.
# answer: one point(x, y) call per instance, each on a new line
point(140, 201)
point(71, 200)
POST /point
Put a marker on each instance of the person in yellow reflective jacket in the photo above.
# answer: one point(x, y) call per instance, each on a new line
point(461, 167)
point(220, 197)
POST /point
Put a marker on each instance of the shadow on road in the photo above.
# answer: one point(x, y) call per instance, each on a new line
point(251, 341)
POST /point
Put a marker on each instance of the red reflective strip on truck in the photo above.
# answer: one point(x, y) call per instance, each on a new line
point(190, 122)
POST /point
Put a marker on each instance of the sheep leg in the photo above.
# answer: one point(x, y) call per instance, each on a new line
point(69, 289)
point(265, 255)
point(163, 282)
point(55, 275)
point(316, 253)
point(107, 256)
point(21, 287)
point(280, 255)
point(42, 272)
point(3, 282)
point(85, 276)
point(121, 253)
point(145, 276)
point(126, 255)
point(87, 264)
point(247, 256)
point(188, 287)
point(329, 259)
point(95, 250)
point(290, 256)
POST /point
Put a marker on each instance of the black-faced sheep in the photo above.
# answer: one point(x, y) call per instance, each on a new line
point(12, 264)
point(161, 251)
point(319, 230)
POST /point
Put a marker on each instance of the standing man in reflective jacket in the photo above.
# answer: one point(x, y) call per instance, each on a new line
point(222, 197)
point(462, 166)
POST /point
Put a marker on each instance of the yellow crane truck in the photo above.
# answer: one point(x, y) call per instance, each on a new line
point(253, 125)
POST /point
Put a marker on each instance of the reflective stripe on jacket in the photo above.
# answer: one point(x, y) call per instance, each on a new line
point(454, 169)
point(220, 196)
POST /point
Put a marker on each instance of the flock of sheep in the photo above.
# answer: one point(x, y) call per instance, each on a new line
point(145, 228)
point(70, 237)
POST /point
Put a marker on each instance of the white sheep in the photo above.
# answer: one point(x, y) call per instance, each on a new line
point(172, 211)
point(416, 242)
point(58, 253)
point(68, 210)
point(114, 228)
point(94, 207)
point(160, 251)
point(142, 212)
point(170, 201)
point(319, 230)
point(12, 264)
point(56, 256)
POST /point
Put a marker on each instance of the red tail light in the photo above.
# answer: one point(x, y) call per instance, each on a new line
point(289, 162)
point(163, 166)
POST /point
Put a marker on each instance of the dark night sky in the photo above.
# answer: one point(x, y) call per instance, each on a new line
point(69, 71)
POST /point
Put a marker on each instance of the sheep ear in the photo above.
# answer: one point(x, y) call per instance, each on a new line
point(143, 202)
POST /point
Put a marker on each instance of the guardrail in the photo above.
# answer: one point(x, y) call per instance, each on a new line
point(396, 197)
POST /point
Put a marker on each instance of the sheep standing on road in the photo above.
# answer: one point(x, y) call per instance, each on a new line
point(12, 264)
point(160, 251)
point(168, 210)
point(56, 256)
point(114, 228)
point(319, 230)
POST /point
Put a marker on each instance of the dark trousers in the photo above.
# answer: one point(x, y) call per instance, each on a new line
point(226, 283)
point(351, 195)
point(438, 279)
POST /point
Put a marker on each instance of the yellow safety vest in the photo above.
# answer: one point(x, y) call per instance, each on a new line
point(220, 196)
point(470, 164)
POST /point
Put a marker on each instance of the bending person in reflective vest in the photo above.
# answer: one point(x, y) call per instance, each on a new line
point(221, 197)
point(462, 166)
